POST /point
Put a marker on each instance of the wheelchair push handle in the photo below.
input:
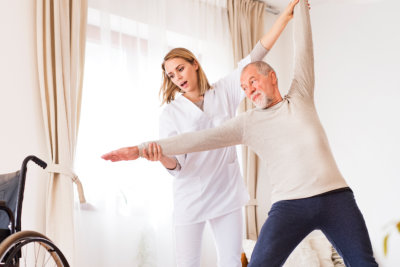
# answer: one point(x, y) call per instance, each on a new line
point(35, 159)
point(40, 162)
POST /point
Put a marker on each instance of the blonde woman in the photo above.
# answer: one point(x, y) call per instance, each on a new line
point(208, 185)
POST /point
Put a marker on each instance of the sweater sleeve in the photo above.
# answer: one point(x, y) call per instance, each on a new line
point(227, 134)
point(258, 52)
point(231, 83)
point(303, 80)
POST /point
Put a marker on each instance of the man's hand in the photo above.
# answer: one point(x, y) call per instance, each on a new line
point(125, 153)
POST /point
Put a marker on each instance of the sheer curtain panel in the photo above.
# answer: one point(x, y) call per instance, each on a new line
point(130, 223)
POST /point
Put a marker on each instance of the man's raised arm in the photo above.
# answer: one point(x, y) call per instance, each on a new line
point(303, 51)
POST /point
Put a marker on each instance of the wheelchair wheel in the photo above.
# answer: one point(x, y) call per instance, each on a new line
point(29, 248)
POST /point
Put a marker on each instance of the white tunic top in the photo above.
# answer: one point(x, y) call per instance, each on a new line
point(209, 184)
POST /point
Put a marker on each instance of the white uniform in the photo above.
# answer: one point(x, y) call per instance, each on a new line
point(209, 183)
point(209, 186)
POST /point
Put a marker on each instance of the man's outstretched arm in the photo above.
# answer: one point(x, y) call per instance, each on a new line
point(303, 80)
point(228, 134)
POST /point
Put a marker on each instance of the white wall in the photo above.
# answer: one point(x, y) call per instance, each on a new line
point(21, 131)
point(357, 62)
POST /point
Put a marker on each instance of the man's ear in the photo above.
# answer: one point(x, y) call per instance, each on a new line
point(273, 77)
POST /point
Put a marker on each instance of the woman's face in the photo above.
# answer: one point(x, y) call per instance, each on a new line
point(183, 74)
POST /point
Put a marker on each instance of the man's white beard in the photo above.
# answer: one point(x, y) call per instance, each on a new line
point(261, 101)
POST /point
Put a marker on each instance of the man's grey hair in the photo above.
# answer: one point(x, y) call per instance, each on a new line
point(262, 67)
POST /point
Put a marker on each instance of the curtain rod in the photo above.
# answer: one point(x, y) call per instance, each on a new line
point(271, 9)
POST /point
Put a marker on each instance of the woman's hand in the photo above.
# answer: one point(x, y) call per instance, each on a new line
point(269, 39)
point(288, 12)
point(125, 153)
point(154, 153)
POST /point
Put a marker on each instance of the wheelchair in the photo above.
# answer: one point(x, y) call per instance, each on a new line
point(22, 248)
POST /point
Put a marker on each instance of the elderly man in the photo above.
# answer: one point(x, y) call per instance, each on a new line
point(308, 190)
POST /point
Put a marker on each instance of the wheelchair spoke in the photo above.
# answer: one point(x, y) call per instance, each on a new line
point(24, 254)
point(49, 256)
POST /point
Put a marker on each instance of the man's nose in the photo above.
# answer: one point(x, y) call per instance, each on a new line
point(248, 92)
point(251, 89)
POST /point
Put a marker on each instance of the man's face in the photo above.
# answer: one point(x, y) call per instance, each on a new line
point(257, 87)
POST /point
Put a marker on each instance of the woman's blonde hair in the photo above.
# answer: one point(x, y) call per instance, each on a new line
point(168, 89)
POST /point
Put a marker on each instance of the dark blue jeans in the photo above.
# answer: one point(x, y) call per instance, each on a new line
point(336, 214)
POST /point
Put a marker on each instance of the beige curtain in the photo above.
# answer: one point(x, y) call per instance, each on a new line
point(61, 30)
point(246, 22)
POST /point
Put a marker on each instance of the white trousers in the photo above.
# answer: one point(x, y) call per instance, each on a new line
point(228, 235)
